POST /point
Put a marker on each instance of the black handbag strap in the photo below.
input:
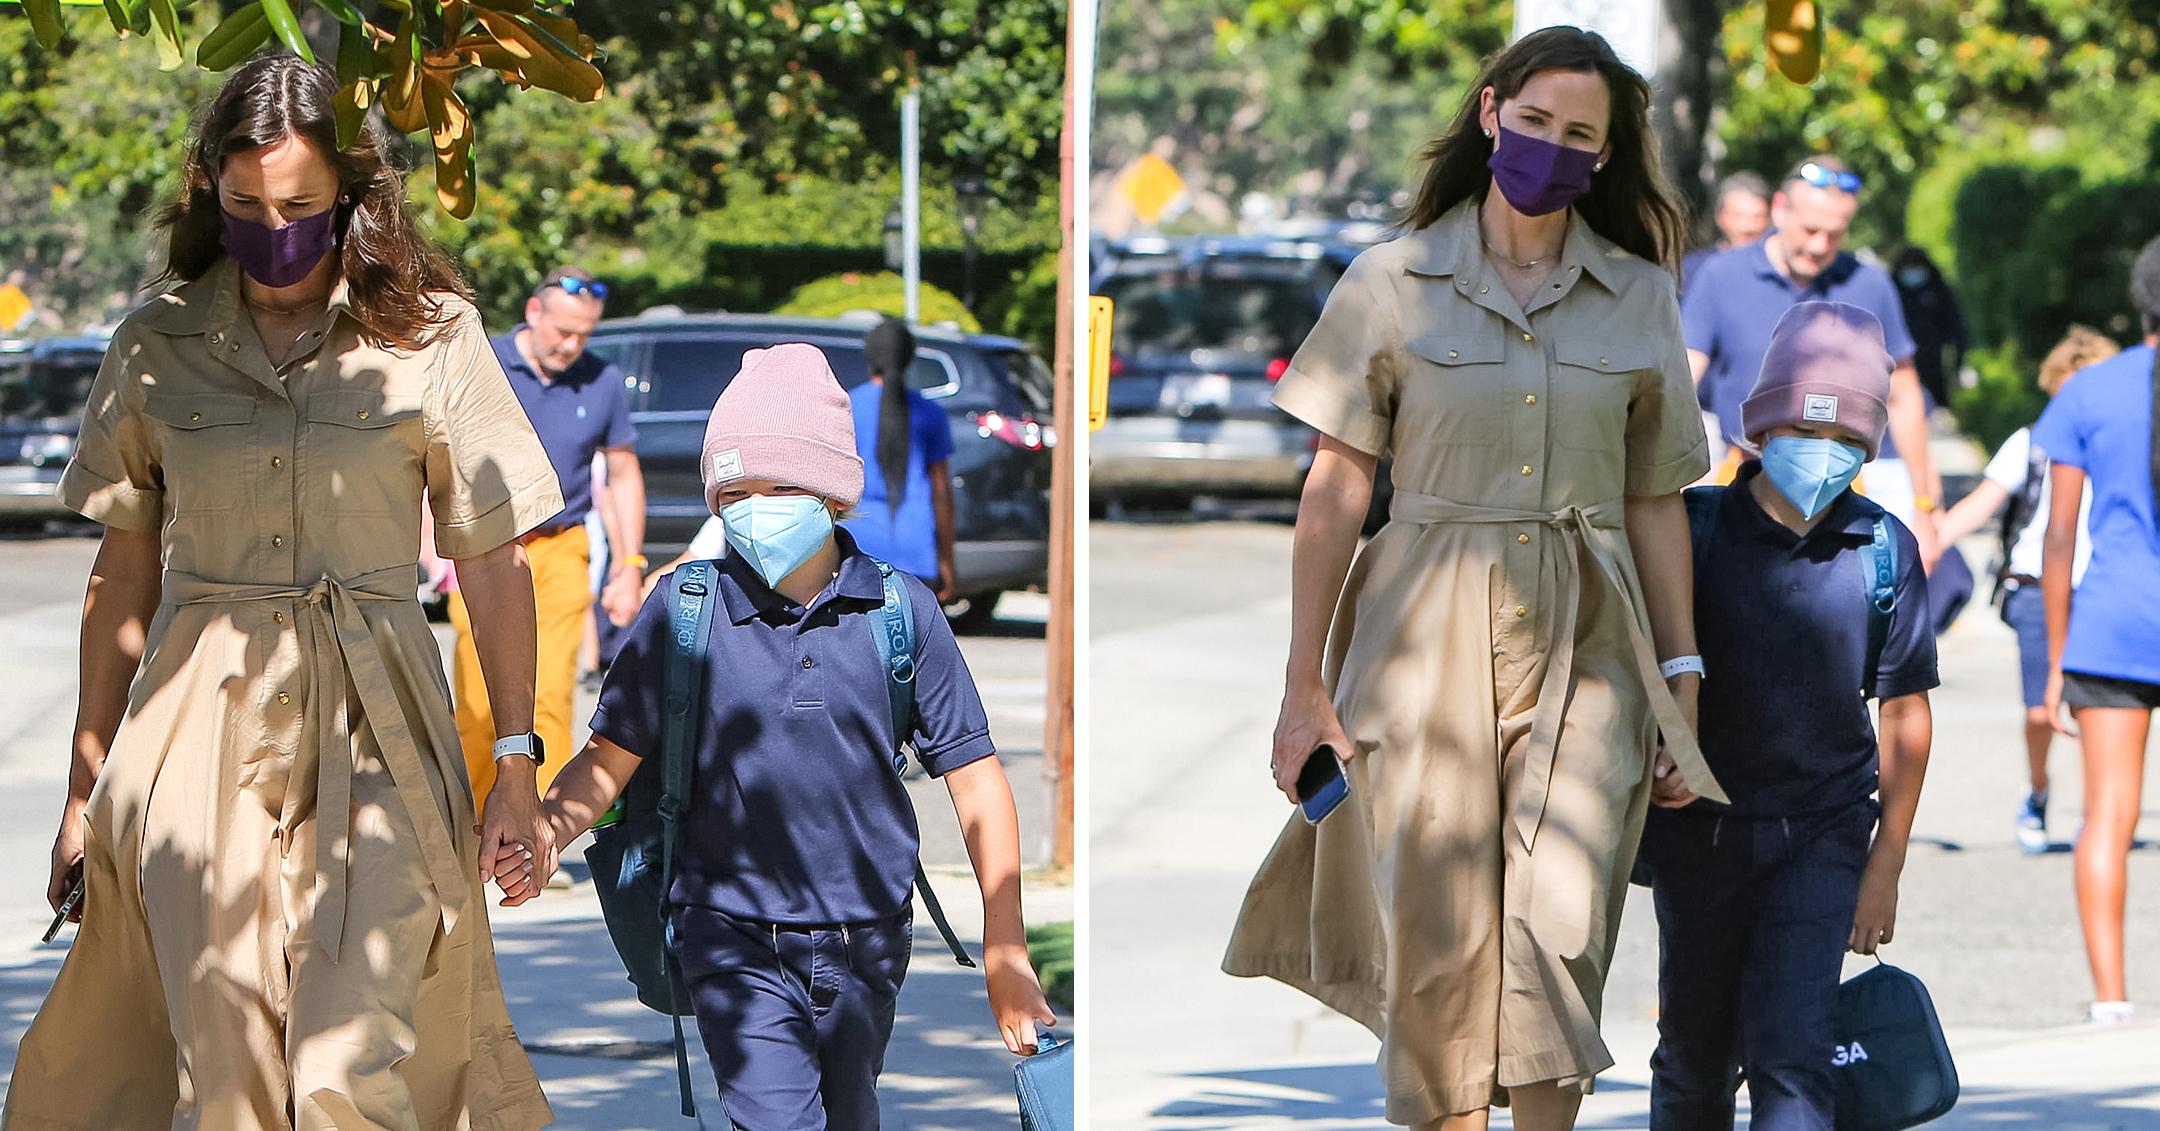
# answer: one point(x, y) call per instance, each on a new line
point(690, 619)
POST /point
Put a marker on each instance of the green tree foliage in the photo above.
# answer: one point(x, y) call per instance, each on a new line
point(731, 135)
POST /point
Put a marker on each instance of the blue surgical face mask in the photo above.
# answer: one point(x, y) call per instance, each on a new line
point(1811, 473)
point(1913, 278)
point(776, 534)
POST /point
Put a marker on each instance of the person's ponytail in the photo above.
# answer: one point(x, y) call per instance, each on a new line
point(890, 349)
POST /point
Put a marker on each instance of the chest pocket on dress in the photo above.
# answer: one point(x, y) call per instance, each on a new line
point(206, 443)
point(363, 450)
point(1592, 386)
point(1453, 381)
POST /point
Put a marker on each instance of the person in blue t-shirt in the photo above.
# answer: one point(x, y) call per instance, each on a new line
point(2104, 665)
point(1758, 900)
point(906, 513)
point(792, 916)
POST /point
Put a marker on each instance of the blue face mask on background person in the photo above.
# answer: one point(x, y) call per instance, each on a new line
point(776, 534)
point(1811, 473)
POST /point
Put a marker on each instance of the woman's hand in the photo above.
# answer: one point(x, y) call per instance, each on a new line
point(1668, 787)
point(514, 874)
point(514, 824)
point(2058, 717)
point(1308, 721)
point(1016, 997)
point(67, 852)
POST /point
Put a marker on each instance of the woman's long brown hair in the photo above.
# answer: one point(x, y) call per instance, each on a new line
point(1629, 201)
point(397, 278)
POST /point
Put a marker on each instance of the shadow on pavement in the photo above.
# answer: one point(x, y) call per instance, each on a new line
point(608, 1064)
point(1336, 1092)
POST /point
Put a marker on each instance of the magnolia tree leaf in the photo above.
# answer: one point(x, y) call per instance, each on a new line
point(234, 40)
point(287, 27)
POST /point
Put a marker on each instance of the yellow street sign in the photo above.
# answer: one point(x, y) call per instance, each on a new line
point(1099, 317)
point(1149, 185)
point(14, 306)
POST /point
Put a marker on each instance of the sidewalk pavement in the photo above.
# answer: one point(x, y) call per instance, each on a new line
point(1184, 702)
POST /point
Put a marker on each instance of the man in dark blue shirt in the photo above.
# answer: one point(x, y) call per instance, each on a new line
point(1736, 298)
point(1758, 900)
point(577, 405)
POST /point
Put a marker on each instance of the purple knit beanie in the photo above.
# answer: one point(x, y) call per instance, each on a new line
point(1826, 365)
point(785, 418)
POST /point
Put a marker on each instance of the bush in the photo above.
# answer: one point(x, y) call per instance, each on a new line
point(1031, 313)
point(1050, 947)
point(2006, 398)
point(884, 292)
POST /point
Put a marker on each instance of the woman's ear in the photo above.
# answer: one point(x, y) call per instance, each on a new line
point(1488, 111)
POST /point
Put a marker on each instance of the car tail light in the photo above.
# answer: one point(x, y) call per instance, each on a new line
point(1278, 367)
point(1019, 431)
point(1117, 366)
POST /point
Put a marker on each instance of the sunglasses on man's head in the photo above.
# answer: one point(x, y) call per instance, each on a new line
point(1828, 178)
point(575, 286)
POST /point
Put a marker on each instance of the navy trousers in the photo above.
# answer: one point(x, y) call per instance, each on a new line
point(795, 1021)
point(1754, 916)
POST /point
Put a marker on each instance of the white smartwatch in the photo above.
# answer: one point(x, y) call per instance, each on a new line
point(1680, 665)
point(527, 745)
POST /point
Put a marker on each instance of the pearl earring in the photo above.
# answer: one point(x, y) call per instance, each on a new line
point(1488, 133)
point(1598, 168)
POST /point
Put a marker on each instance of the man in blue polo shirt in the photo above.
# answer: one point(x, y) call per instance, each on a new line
point(576, 402)
point(1736, 299)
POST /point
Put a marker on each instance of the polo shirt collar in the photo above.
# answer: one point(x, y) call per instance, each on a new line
point(747, 596)
point(1453, 245)
point(514, 363)
point(1850, 516)
point(1840, 268)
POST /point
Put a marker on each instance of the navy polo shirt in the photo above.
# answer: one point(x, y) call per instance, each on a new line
point(1733, 302)
point(2101, 424)
point(1782, 620)
point(796, 815)
point(578, 413)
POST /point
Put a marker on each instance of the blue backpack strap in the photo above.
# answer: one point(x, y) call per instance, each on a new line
point(1878, 568)
point(690, 619)
point(894, 631)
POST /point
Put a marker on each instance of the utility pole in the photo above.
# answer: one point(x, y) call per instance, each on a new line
point(911, 196)
point(1071, 430)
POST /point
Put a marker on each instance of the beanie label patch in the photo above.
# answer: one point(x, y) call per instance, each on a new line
point(727, 466)
point(1819, 407)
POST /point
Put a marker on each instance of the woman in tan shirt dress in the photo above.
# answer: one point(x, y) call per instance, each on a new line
point(1492, 673)
point(284, 924)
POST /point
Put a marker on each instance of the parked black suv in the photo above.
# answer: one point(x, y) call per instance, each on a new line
point(996, 391)
point(43, 386)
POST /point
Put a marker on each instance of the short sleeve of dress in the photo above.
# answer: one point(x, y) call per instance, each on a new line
point(1343, 380)
point(113, 476)
point(488, 478)
point(1667, 448)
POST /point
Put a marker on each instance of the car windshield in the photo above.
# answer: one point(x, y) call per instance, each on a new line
point(1183, 311)
point(1026, 372)
point(688, 373)
point(57, 386)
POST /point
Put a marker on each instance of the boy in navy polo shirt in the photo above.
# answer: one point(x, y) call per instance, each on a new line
point(792, 909)
point(1757, 901)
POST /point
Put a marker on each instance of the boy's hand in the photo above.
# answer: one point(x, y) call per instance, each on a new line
point(1669, 788)
point(1016, 997)
point(1875, 920)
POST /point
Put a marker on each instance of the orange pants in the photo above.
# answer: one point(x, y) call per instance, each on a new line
point(562, 599)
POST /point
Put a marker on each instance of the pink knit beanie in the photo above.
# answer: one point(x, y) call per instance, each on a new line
point(785, 418)
point(1826, 365)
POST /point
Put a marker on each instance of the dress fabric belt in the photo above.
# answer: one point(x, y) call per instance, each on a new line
point(1556, 639)
point(338, 642)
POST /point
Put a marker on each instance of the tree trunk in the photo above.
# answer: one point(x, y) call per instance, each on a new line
point(1683, 98)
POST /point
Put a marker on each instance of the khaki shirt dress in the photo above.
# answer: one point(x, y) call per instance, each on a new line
point(1490, 660)
point(284, 925)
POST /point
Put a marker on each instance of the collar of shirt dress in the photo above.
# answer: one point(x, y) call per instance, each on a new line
point(1454, 248)
point(211, 305)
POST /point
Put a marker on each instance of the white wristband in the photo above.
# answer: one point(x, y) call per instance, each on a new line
point(1681, 664)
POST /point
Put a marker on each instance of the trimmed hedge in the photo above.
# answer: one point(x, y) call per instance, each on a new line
point(1050, 947)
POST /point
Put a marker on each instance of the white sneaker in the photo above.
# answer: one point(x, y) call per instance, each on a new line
point(2111, 1013)
point(2032, 838)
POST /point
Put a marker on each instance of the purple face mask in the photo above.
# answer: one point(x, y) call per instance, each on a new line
point(1537, 176)
point(279, 257)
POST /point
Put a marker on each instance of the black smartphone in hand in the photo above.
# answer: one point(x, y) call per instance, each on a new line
point(69, 905)
point(1321, 784)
